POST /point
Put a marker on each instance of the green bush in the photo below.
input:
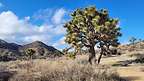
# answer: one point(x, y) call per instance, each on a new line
point(71, 55)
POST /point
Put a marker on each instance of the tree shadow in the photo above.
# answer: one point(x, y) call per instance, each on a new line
point(6, 75)
point(123, 63)
point(139, 59)
point(131, 78)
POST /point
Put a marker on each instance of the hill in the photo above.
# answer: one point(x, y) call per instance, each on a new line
point(13, 51)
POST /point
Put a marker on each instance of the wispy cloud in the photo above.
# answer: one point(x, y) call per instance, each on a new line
point(60, 43)
point(43, 15)
point(58, 16)
point(53, 16)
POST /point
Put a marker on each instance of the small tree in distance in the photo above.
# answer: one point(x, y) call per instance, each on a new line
point(30, 52)
point(90, 27)
point(140, 42)
point(132, 40)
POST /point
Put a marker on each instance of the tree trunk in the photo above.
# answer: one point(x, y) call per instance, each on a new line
point(103, 51)
point(99, 59)
point(91, 55)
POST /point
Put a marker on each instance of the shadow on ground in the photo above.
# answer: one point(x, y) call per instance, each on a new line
point(6, 75)
point(131, 78)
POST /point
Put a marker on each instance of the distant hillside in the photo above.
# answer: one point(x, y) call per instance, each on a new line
point(12, 51)
point(131, 47)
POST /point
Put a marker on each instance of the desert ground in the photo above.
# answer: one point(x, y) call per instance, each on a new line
point(132, 71)
point(125, 67)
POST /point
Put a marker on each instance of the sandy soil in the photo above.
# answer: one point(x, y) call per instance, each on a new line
point(133, 72)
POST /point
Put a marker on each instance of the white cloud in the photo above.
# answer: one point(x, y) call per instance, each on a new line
point(44, 38)
point(13, 29)
point(58, 16)
point(27, 18)
point(55, 16)
point(43, 14)
point(60, 43)
point(9, 23)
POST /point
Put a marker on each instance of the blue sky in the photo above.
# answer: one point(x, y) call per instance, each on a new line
point(45, 18)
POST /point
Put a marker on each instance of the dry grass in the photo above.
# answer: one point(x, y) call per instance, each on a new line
point(59, 70)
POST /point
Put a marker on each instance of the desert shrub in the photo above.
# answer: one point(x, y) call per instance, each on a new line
point(7, 56)
point(65, 71)
point(135, 54)
point(139, 59)
point(80, 73)
point(71, 55)
point(123, 63)
point(82, 61)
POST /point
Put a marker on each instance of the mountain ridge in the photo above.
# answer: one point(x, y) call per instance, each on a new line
point(13, 51)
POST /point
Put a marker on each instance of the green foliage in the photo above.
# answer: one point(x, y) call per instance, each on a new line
point(30, 52)
point(71, 55)
point(90, 27)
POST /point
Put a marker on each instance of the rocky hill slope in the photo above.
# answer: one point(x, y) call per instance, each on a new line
point(12, 51)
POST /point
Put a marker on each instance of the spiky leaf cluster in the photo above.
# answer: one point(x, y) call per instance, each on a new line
point(30, 52)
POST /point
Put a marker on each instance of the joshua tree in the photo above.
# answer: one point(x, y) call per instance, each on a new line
point(65, 51)
point(30, 52)
point(140, 43)
point(132, 40)
point(90, 27)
